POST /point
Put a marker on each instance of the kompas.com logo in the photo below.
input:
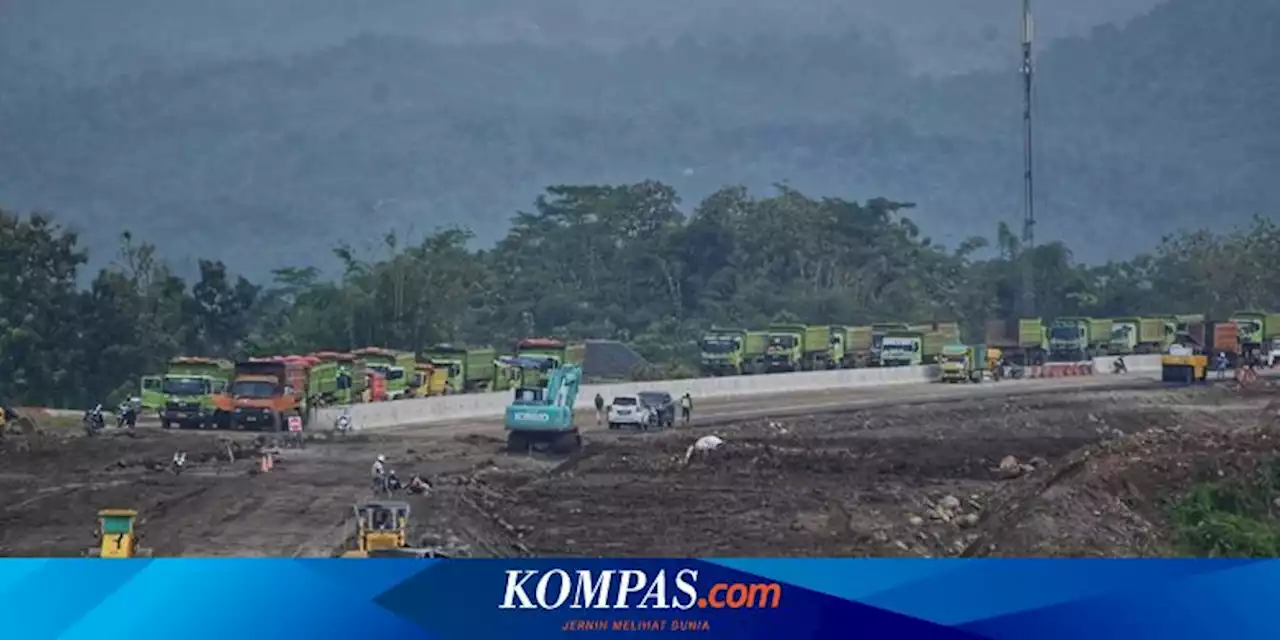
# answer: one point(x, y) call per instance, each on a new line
point(613, 589)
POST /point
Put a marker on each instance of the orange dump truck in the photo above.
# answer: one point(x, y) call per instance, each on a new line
point(266, 392)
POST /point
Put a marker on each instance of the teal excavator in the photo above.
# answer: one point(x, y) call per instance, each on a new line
point(543, 416)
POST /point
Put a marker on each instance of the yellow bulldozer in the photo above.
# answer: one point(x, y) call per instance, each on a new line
point(382, 531)
point(117, 537)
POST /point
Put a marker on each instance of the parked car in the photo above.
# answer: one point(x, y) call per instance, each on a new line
point(661, 406)
point(627, 411)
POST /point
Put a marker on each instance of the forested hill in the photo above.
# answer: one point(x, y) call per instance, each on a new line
point(1167, 122)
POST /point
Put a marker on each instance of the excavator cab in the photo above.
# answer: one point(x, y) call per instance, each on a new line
point(117, 536)
point(382, 528)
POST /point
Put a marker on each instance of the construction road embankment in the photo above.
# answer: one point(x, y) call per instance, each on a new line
point(718, 410)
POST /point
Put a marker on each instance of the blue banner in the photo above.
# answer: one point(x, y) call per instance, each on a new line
point(192, 599)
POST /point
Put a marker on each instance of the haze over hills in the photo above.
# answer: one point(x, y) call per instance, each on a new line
point(1166, 122)
point(937, 35)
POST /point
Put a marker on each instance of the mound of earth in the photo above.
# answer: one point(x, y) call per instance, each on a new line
point(1115, 499)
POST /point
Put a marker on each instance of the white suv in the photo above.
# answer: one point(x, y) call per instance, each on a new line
point(627, 411)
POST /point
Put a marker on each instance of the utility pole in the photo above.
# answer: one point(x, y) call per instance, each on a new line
point(1029, 205)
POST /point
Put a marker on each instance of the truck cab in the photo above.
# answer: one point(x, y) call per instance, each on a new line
point(901, 349)
point(428, 380)
point(960, 363)
point(878, 332)
point(1256, 330)
point(350, 381)
point(265, 393)
point(395, 367)
point(191, 389)
point(1141, 335)
point(557, 351)
point(149, 390)
point(841, 352)
point(722, 352)
point(954, 363)
point(783, 351)
point(1069, 340)
point(1124, 336)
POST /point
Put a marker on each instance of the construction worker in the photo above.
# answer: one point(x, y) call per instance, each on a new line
point(343, 423)
point(393, 482)
point(704, 446)
point(686, 407)
point(379, 474)
point(1220, 364)
point(418, 485)
point(599, 409)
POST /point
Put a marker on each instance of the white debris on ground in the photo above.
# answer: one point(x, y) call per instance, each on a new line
point(702, 446)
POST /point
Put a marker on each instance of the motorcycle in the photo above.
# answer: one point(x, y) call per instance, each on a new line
point(127, 415)
point(1119, 366)
point(93, 422)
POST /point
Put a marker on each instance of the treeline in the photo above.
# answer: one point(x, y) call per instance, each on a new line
point(619, 262)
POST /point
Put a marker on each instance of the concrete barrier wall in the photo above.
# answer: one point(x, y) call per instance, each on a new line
point(489, 405)
point(1135, 363)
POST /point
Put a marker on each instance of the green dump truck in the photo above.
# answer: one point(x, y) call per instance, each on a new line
point(1256, 331)
point(732, 351)
point(324, 381)
point(901, 348)
point(936, 336)
point(469, 369)
point(961, 363)
point(878, 332)
point(558, 351)
point(397, 367)
point(857, 346)
point(349, 376)
point(188, 387)
point(1024, 341)
point(1142, 335)
point(797, 347)
point(1078, 338)
point(842, 352)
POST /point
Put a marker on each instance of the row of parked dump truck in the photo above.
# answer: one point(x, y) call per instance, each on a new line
point(1026, 341)
point(265, 392)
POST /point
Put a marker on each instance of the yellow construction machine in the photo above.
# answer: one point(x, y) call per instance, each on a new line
point(116, 534)
point(1184, 369)
point(382, 528)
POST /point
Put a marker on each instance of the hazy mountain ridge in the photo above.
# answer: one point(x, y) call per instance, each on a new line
point(75, 36)
point(231, 158)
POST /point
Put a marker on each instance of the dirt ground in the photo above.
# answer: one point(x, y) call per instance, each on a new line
point(1061, 473)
